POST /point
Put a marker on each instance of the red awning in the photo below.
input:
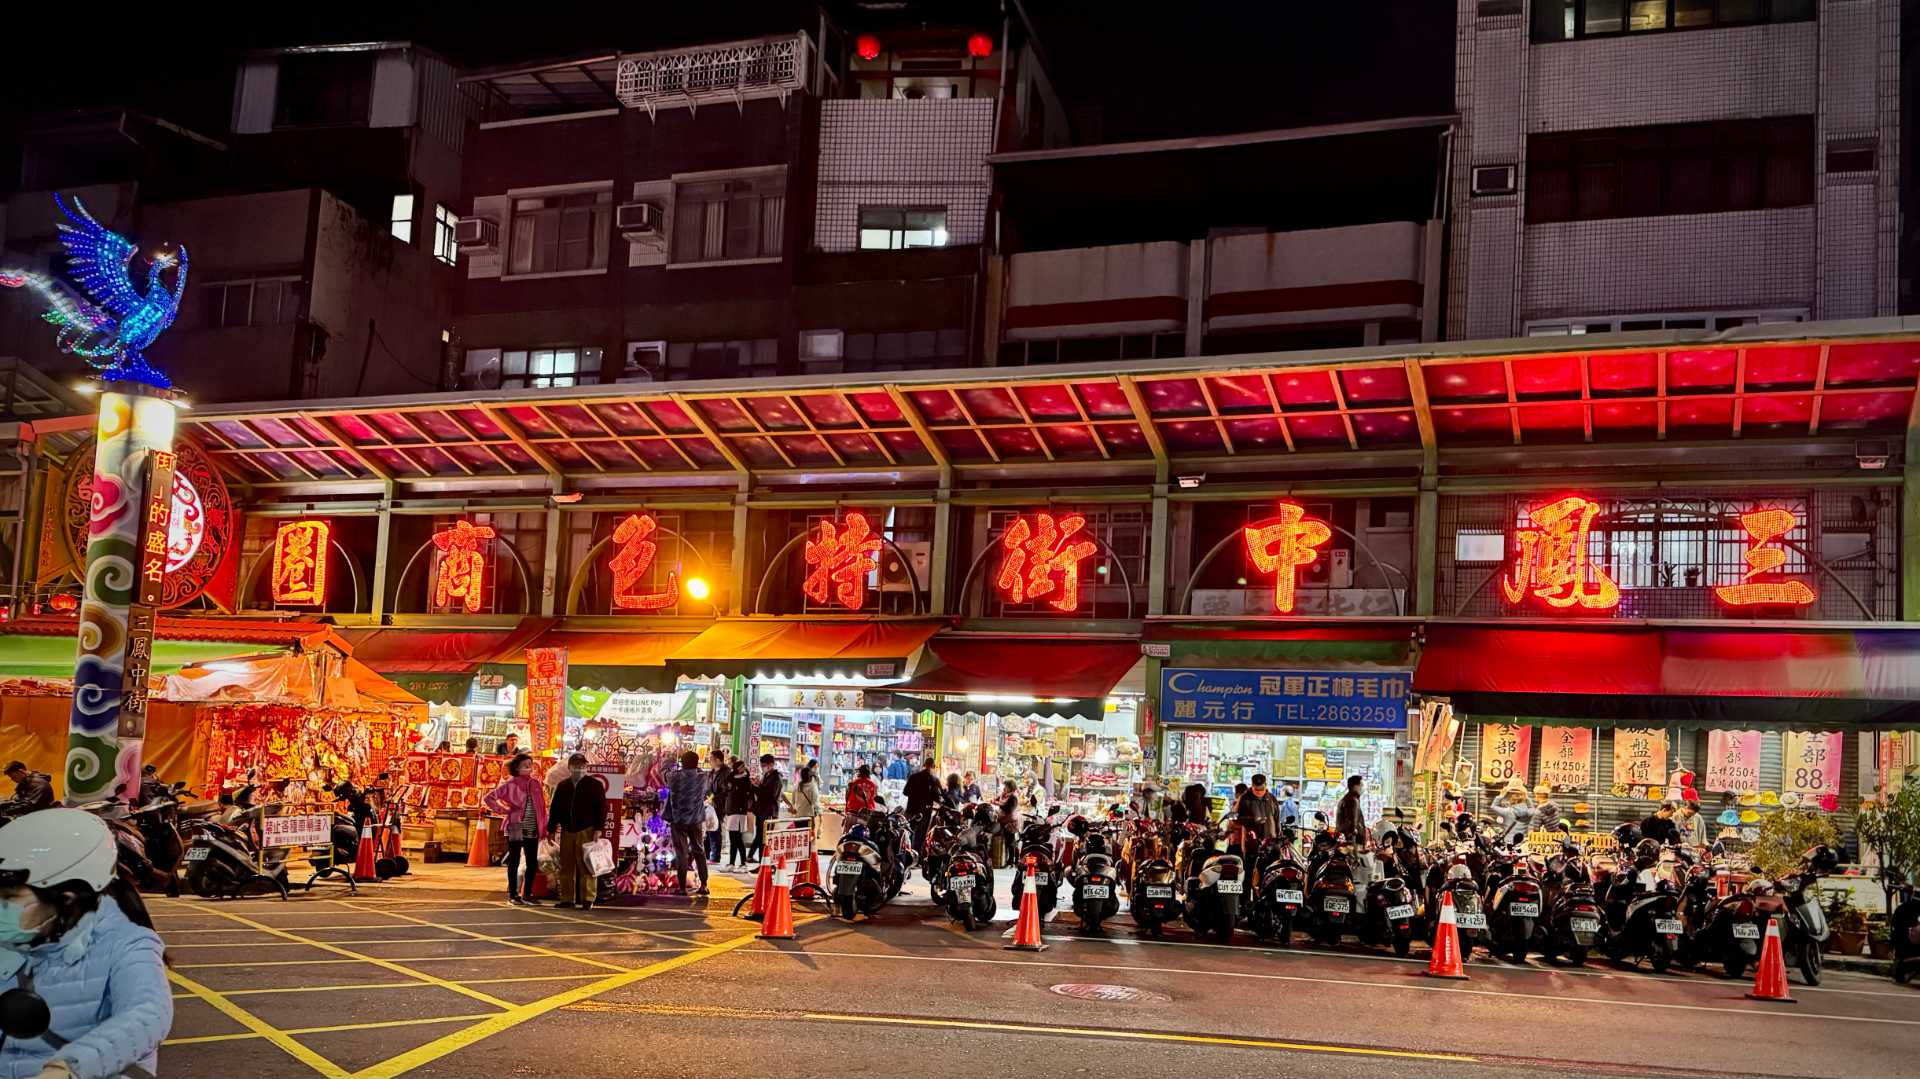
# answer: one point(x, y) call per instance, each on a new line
point(877, 648)
point(175, 628)
point(439, 651)
point(1673, 673)
point(1030, 666)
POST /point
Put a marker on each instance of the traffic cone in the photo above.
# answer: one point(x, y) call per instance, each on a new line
point(1770, 977)
point(762, 889)
point(1026, 931)
point(480, 846)
point(1445, 961)
point(392, 847)
point(779, 921)
point(363, 857)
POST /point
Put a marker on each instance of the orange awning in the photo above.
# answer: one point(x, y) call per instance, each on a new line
point(775, 648)
point(598, 659)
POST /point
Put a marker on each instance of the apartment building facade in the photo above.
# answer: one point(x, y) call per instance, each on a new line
point(1645, 164)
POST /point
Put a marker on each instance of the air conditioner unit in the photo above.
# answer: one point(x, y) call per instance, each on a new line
point(639, 220)
point(894, 576)
point(476, 234)
point(1494, 180)
point(1340, 568)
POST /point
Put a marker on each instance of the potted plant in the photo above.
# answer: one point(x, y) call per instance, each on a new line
point(1848, 926)
point(1890, 828)
point(1880, 938)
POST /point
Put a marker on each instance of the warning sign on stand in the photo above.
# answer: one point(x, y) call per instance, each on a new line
point(789, 837)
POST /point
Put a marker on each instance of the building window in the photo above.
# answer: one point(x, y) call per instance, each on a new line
point(557, 233)
point(1133, 346)
point(1709, 320)
point(249, 303)
point(723, 359)
point(1566, 20)
point(540, 368)
point(717, 220)
point(323, 89)
point(1670, 169)
point(401, 219)
point(443, 246)
point(889, 228)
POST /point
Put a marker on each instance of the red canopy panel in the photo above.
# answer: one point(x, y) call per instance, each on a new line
point(439, 651)
point(1037, 667)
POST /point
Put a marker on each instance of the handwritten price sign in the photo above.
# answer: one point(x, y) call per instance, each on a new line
point(1733, 760)
point(1811, 763)
point(1639, 757)
point(1566, 757)
point(1505, 752)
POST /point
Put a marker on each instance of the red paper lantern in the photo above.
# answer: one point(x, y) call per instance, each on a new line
point(980, 45)
point(867, 45)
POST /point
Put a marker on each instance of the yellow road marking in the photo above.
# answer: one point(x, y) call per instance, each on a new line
point(260, 1028)
point(495, 1024)
point(201, 1039)
point(384, 964)
point(388, 985)
point(407, 959)
point(530, 948)
point(463, 937)
point(682, 938)
point(1135, 1035)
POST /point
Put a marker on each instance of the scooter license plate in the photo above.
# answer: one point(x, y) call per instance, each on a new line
point(1399, 912)
point(198, 854)
point(960, 884)
point(1158, 891)
point(1746, 931)
point(1524, 910)
point(1230, 887)
point(1471, 921)
point(847, 869)
point(1337, 905)
point(1039, 880)
point(1289, 895)
point(1668, 925)
point(1097, 891)
point(1585, 925)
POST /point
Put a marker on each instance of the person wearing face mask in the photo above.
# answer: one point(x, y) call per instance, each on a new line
point(578, 811)
point(80, 939)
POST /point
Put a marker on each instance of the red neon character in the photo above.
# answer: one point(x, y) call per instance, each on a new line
point(1282, 545)
point(841, 559)
point(1552, 564)
point(1763, 556)
point(300, 562)
point(463, 569)
point(1036, 552)
point(630, 565)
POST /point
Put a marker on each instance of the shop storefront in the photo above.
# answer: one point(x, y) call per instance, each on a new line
point(1307, 708)
point(1614, 720)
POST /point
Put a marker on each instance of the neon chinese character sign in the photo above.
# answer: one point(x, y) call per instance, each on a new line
point(1764, 555)
point(1282, 546)
point(1039, 549)
point(463, 569)
point(630, 565)
point(300, 563)
point(1552, 564)
point(840, 560)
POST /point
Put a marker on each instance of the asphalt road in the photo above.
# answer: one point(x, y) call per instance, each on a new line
point(437, 978)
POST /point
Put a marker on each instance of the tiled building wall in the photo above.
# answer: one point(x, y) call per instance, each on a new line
point(1760, 258)
point(1835, 259)
point(903, 153)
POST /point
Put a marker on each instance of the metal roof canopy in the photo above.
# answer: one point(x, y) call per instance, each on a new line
point(555, 88)
point(1339, 408)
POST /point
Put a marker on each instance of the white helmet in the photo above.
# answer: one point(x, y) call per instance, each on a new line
point(54, 846)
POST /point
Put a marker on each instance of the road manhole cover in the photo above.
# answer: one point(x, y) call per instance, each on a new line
point(1113, 994)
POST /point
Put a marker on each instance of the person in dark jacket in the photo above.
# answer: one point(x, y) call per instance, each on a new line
point(686, 816)
point(578, 812)
point(953, 796)
point(923, 793)
point(766, 803)
point(1258, 814)
point(1660, 826)
point(737, 811)
point(31, 789)
point(1349, 817)
point(1199, 807)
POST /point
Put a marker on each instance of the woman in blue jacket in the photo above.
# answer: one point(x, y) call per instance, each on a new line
point(82, 940)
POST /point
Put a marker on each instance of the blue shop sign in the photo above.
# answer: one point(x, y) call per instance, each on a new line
point(1331, 700)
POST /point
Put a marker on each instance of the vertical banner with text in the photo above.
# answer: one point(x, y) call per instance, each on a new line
point(1566, 757)
point(1810, 764)
point(1639, 756)
point(1733, 761)
point(546, 697)
point(1505, 752)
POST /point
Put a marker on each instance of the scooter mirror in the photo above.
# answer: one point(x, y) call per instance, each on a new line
point(24, 1014)
point(1319, 817)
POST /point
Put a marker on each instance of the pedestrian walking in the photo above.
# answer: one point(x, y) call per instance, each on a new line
point(803, 800)
point(522, 801)
point(766, 802)
point(82, 940)
point(1349, 818)
point(686, 817)
point(575, 818)
point(923, 793)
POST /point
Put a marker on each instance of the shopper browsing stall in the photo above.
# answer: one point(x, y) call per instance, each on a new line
point(686, 815)
point(578, 811)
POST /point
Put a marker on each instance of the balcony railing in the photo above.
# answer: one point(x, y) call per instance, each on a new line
point(735, 71)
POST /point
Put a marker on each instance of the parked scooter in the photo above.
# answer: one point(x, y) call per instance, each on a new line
point(967, 880)
point(1456, 871)
point(1641, 897)
point(1574, 920)
point(223, 860)
point(1330, 886)
point(1282, 890)
point(1387, 912)
point(1153, 890)
point(1036, 841)
point(1096, 887)
point(1215, 885)
point(1804, 928)
point(868, 867)
point(1515, 903)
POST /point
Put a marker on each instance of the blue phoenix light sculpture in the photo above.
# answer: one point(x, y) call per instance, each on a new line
point(107, 320)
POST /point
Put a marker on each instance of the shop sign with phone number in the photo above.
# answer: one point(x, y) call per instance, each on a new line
point(1336, 700)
